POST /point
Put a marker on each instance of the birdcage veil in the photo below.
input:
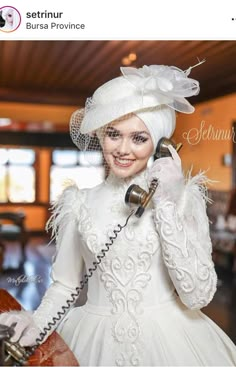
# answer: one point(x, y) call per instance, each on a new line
point(87, 141)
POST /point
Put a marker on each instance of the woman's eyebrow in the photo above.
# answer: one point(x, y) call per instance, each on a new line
point(139, 133)
point(133, 133)
point(113, 129)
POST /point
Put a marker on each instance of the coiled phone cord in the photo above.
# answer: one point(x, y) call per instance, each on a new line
point(74, 296)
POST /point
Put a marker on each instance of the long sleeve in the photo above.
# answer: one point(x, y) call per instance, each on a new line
point(67, 268)
point(183, 228)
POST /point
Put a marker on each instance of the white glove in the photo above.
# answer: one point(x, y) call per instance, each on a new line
point(168, 172)
point(26, 331)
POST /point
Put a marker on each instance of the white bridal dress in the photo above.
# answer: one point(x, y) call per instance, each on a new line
point(133, 315)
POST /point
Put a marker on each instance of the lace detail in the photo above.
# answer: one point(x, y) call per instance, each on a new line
point(139, 179)
point(86, 227)
point(125, 275)
point(124, 272)
point(187, 250)
point(124, 279)
point(119, 188)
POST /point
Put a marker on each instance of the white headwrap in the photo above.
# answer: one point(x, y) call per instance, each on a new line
point(16, 18)
point(160, 121)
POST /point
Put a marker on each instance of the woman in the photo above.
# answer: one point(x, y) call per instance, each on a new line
point(11, 17)
point(133, 315)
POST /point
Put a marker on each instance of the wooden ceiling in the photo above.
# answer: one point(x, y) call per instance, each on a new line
point(67, 72)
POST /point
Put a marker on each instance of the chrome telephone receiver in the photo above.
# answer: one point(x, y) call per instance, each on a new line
point(162, 147)
point(11, 354)
point(135, 194)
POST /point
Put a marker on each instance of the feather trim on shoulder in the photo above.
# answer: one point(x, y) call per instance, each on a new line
point(62, 209)
point(195, 192)
point(199, 182)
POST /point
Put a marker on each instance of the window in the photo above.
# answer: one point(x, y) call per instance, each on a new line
point(17, 175)
point(84, 168)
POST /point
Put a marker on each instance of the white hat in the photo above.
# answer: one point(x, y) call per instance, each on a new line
point(145, 91)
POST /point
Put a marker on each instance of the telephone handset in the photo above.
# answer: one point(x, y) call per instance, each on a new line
point(13, 353)
point(135, 194)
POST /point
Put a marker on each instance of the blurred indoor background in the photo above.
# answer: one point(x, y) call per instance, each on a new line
point(41, 84)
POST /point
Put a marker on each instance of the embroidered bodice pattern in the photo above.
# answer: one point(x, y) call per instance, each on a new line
point(168, 247)
point(124, 273)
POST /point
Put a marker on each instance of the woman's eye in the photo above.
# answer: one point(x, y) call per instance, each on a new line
point(139, 139)
point(113, 134)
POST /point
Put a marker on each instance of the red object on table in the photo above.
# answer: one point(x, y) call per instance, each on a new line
point(53, 352)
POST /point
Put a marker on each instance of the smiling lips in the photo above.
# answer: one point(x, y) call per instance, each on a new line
point(123, 162)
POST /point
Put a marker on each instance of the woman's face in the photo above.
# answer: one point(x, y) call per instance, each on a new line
point(127, 146)
point(9, 17)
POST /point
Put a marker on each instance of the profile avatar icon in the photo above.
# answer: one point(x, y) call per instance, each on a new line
point(10, 19)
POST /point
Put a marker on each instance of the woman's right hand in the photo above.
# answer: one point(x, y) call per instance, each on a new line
point(168, 172)
point(26, 331)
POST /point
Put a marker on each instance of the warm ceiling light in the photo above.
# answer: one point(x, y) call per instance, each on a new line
point(132, 56)
point(126, 61)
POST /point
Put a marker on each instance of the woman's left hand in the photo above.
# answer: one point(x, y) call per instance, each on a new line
point(168, 172)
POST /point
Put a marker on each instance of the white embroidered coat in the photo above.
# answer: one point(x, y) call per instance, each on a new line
point(133, 316)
